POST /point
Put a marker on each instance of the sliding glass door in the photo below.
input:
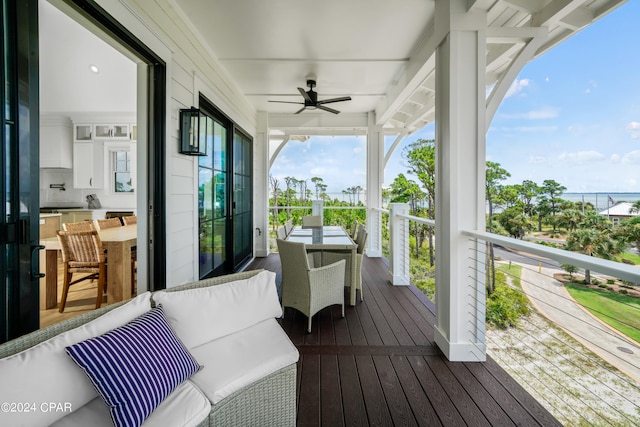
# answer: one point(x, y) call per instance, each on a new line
point(212, 199)
point(224, 195)
point(19, 160)
point(242, 198)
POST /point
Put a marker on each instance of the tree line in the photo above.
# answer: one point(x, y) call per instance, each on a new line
point(291, 199)
point(515, 210)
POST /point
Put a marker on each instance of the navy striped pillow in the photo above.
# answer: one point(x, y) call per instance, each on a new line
point(136, 366)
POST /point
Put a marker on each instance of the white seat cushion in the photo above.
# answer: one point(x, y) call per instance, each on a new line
point(45, 373)
point(237, 360)
point(186, 406)
point(200, 315)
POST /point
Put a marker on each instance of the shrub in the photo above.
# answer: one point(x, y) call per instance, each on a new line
point(623, 291)
point(569, 269)
point(611, 281)
point(505, 306)
point(595, 281)
point(602, 285)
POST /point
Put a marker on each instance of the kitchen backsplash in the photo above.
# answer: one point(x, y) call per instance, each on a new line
point(76, 197)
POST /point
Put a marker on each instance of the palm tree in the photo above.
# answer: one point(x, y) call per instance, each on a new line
point(635, 208)
point(570, 219)
point(597, 243)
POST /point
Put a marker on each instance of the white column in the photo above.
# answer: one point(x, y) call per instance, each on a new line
point(460, 178)
point(261, 187)
point(399, 244)
point(317, 209)
point(375, 178)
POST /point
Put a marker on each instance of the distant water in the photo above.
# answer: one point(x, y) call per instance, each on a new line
point(601, 200)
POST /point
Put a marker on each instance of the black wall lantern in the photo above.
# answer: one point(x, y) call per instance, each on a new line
point(193, 132)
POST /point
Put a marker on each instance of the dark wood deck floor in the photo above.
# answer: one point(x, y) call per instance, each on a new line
point(380, 366)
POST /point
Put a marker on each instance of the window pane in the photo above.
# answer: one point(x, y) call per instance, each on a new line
point(205, 194)
point(220, 195)
point(219, 242)
point(123, 182)
point(219, 147)
point(206, 247)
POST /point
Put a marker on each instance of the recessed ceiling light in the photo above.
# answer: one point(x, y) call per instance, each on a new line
point(94, 69)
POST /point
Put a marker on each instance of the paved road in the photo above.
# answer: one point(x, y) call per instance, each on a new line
point(523, 258)
point(553, 301)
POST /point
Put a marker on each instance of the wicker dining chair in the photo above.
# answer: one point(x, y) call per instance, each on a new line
point(312, 221)
point(307, 289)
point(281, 233)
point(288, 226)
point(101, 224)
point(78, 226)
point(361, 241)
point(128, 220)
point(82, 252)
point(354, 229)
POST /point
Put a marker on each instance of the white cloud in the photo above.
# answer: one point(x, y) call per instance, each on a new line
point(537, 159)
point(634, 129)
point(544, 113)
point(547, 79)
point(632, 158)
point(581, 157)
point(588, 91)
point(516, 87)
point(615, 158)
point(532, 129)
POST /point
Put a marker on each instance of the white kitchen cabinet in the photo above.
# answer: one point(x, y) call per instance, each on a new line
point(56, 146)
point(82, 132)
point(112, 131)
point(88, 165)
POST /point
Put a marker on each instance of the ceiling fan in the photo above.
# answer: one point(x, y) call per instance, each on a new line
point(311, 99)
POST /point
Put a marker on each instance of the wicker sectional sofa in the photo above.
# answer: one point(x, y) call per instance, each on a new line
point(247, 363)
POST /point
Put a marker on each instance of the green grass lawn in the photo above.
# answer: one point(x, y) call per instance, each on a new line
point(621, 312)
point(513, 271)
point(629, 257)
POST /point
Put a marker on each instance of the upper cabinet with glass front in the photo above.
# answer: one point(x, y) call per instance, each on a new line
point(112, 131)
point(82, 132)
point(88, 132)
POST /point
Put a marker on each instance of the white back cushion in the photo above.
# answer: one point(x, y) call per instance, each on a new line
point(45, 373)
point(200, 315)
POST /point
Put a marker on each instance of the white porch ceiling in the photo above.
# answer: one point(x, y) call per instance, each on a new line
point(380, 52)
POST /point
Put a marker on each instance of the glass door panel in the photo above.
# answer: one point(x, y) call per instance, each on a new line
point(242, 197)
point(212, 198)
point(19, 213)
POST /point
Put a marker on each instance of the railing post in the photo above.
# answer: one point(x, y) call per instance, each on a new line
point(399, 244)
point(374, 241)
point(317, 209)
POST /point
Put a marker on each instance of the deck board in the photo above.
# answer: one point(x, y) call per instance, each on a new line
point(379, 365)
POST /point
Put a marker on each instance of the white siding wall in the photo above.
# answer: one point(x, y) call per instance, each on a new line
point(191, 68)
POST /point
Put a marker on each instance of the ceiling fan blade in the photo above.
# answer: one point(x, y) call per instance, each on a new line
point(305, 95)
point(301, 110)
point(331, 110)
point(288, 102)
point(327, 101)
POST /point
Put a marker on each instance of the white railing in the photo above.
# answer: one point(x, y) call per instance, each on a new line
point(581, 369)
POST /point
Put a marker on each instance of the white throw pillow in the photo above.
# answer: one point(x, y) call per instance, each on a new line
point(204, 314)
point(47, 377)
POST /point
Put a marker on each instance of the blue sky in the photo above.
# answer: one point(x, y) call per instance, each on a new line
point(572, 115)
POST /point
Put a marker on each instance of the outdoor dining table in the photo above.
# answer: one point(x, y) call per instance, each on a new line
point(117, 241)
point(329, 238)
